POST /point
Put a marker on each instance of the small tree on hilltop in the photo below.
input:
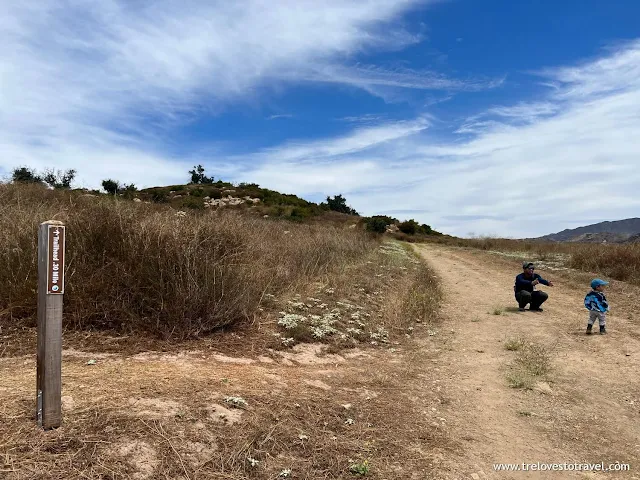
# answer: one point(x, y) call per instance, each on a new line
point(25, 175)
point(376, 224)
point(129, 190)
point(111, 186)
point(410, 227)
point(426, 229)
point(198, 177)
point(58, 179)
point(339, 204)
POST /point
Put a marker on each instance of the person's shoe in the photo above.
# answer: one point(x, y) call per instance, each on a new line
point(603, 331)
point(536, 309)
point(589, 327)
point(521, 309)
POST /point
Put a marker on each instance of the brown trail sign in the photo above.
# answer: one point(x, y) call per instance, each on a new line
point(51, 247)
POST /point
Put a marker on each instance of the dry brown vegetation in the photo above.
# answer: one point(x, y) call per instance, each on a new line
point(615, 261)
point(139, 267)
point(171, 414)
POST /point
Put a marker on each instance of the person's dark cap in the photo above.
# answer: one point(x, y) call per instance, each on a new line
point(526, 265)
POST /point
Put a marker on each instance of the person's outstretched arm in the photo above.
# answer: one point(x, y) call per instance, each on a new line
point(543, 281)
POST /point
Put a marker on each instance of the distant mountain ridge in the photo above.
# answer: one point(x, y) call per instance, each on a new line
point(619, 231)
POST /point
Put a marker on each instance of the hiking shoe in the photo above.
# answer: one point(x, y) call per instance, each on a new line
point(521, 309)
point(536, 309)
point(589, 327)
point(603, 331)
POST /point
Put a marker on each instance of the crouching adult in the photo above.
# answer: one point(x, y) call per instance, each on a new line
point(525, 288)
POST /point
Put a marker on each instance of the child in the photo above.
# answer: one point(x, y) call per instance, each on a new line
point(596, 303)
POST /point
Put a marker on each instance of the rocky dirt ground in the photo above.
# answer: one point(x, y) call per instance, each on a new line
point(482, 384)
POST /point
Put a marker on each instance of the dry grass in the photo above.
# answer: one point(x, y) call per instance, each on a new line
point(532, 363)
point(159, 423)
point(153, 419)
point(514, 344)
point(137, 267)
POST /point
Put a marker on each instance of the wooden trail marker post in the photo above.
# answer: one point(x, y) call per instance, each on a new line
point(51, 245)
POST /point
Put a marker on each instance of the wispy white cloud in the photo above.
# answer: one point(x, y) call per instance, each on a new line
point(371, 77)
point(617, 72)
point(282, 115)
point(368, 118)
point(533, 168)
point(75, 73)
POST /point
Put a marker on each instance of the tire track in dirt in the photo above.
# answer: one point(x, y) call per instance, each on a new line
point(590, 413)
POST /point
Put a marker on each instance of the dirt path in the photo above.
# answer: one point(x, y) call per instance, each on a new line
point(587, 410)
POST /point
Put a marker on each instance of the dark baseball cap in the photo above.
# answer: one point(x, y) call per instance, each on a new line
point(527, 264)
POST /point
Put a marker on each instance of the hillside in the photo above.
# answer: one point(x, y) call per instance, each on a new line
point(250, 197)
point(619, 231)
point(203, 193)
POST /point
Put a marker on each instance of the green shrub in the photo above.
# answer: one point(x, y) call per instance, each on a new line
point(198, 177)
point(159, 196)
point(58, 179)
point(339, 204)
point(193, 203)
point(376, 224)
point(25, 175)
point(112, 187)
point(410, 227)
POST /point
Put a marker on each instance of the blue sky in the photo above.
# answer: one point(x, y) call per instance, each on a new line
point(493, 118)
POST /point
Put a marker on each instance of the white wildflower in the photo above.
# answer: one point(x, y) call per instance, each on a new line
point(288, 341)
point(291, 320)
point(349, 421)
point(253, 461)
point(286, 473)
point(297, 305)
point(346, 305)
point(303, 437)
point(381, 334)
point(237, 402)
point(321, 330)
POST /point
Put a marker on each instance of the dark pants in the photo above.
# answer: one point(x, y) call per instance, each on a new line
point(536, 298)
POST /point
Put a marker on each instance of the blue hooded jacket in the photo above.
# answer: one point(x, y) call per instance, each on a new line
point(596, 301)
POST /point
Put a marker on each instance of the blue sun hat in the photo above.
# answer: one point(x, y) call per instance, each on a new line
point(596, 282)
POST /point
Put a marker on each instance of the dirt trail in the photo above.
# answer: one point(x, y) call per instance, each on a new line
point(586, 411)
